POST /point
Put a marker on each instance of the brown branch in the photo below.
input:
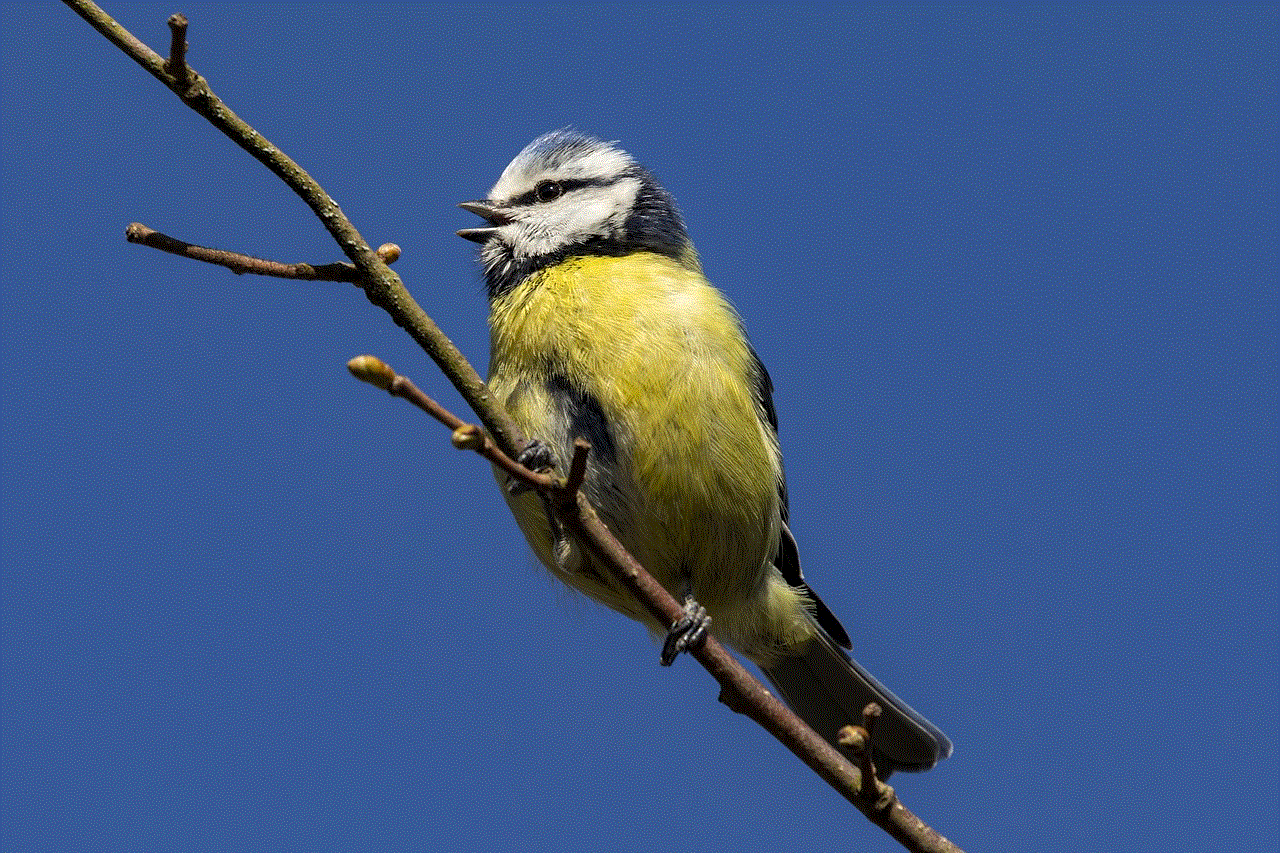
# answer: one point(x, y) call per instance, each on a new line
point(236, 262)
point(872, 787)
point(373, 370)
point(857, 739)
point(740, 691)
point(177, 63)
point(382, 286)
point(578, 465)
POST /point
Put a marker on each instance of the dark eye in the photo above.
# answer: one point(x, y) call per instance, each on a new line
point(548, 191)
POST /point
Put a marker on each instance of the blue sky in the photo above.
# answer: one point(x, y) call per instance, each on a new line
point(1014, 272)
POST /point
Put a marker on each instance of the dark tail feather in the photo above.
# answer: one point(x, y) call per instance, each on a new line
point(828, 689)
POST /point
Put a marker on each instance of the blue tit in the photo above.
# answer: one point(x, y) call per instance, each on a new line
point(604, 327)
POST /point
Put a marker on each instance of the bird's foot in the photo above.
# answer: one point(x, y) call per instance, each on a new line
point(537, 457)
point(686, 632)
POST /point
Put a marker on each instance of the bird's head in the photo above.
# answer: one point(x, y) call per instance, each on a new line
point(569, 194)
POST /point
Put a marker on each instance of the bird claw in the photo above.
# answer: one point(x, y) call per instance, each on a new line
point(687, 632)
point(537, 457)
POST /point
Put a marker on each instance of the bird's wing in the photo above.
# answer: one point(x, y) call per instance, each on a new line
point(787, 560)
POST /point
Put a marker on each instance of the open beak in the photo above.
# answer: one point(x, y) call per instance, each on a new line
point(489, 212)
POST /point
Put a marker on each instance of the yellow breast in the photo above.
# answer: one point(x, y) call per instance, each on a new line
point(693, 487)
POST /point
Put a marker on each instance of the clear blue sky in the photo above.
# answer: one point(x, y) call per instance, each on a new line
point(1014, 272)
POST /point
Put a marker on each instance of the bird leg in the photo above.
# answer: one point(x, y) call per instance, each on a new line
point(687, 631)
point(537, 457)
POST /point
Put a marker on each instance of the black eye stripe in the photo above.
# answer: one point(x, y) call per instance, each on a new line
point(566, 186)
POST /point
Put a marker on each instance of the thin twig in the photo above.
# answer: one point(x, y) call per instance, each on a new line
point(382, 286)
point(740, 690)
point(873, 789)
point(375, 371)
point(236, 262)
point(578, 465)
point(177, 62)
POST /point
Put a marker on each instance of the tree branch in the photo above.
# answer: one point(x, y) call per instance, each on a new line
point(238, 263)
point(740, 690)
point(177, 64)
point(382, 286)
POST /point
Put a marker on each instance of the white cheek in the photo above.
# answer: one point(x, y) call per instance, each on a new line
point(545, 228)
point(599, 215)
point(538, 237)
point(557, 227)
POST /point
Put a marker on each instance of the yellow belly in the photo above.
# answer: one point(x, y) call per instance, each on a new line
point(692, 488)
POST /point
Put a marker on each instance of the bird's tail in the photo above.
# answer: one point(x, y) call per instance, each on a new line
point(828, 689)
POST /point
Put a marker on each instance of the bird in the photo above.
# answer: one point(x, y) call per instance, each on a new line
point(603, 327)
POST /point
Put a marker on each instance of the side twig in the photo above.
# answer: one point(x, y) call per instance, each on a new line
point(177, 63)
point(740, 690)
point(236, 262)
point(381, 286)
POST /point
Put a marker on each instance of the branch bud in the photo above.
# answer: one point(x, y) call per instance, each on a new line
point(853, 738)
point(371, 369)
point(468, 437)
